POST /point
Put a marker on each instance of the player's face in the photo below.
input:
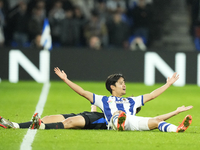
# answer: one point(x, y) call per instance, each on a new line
point(120, 87)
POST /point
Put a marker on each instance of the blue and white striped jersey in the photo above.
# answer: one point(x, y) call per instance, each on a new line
point(111, 104)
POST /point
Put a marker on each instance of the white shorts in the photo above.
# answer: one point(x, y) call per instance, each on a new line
point(136, 123)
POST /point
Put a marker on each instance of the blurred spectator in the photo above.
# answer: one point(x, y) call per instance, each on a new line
point(133, 3)
point(15, 3)
point(20, 35)
point(104, 15)
point(95, 43)
point(35, 43)
point(85, 5)
point(36, 4)
point(70, 30)
point(193, 7)
point(96, 27)
point(116, 5)
point(137, 43)
point(35, 25)
point(49, 4)
point(56, 15)
point(141, 15)
point(41, 5)
point(67, 5)
point(2, 23)
point(81, 19)
point(118, 31)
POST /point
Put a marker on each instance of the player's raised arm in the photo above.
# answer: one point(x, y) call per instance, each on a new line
point(88, 95)
point(157, 92)
point(173, 113)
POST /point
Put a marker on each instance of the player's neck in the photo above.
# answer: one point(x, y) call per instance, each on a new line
point(117, 95)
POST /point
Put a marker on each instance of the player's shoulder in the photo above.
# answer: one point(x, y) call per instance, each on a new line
point(135, 98)
point(101, 96)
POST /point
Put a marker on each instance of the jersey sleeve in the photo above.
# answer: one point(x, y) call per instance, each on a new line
point(138, 101)
point(97, 100)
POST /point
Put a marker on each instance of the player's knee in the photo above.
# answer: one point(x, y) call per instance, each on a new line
point(154, 122)
point(157, 121)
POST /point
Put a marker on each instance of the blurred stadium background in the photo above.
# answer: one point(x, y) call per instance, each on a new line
point(159, 25)
point(93, 38)
point(90, 40)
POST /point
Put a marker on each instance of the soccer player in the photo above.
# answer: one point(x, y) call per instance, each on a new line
point(126, 107)
point(84, 120)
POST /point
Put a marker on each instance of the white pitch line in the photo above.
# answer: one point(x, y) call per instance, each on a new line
point(29, 137)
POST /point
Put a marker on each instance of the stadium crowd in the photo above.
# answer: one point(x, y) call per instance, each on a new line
point(126, 24)
point(77, 23)
point(193, 7)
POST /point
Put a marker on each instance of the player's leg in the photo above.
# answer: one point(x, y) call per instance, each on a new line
point(163, 126)
point(37, 123)
point(145, 123)
point(158, 122)
point(86, 120)
point(47, 119)
point(52, 121)
point(77, 122)
point(53, 118)
point(23, 125)
point(8, 124)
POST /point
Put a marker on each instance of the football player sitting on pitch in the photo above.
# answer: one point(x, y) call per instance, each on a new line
point(77, 122)
point(123, 109)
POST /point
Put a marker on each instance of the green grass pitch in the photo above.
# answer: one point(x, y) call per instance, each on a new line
point(18, 103)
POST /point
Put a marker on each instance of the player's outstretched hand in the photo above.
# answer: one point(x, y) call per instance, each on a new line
point(183, 108)
point(60, 73)
point(173, 79)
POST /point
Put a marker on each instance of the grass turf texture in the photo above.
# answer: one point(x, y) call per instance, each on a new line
point(18, 102)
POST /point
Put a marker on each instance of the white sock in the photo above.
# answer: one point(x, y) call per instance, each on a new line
point(167, 127)
point(172, 128)
point(16, 125)
point(42, 126)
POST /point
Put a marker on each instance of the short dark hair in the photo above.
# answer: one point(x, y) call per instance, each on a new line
point(111, 80)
